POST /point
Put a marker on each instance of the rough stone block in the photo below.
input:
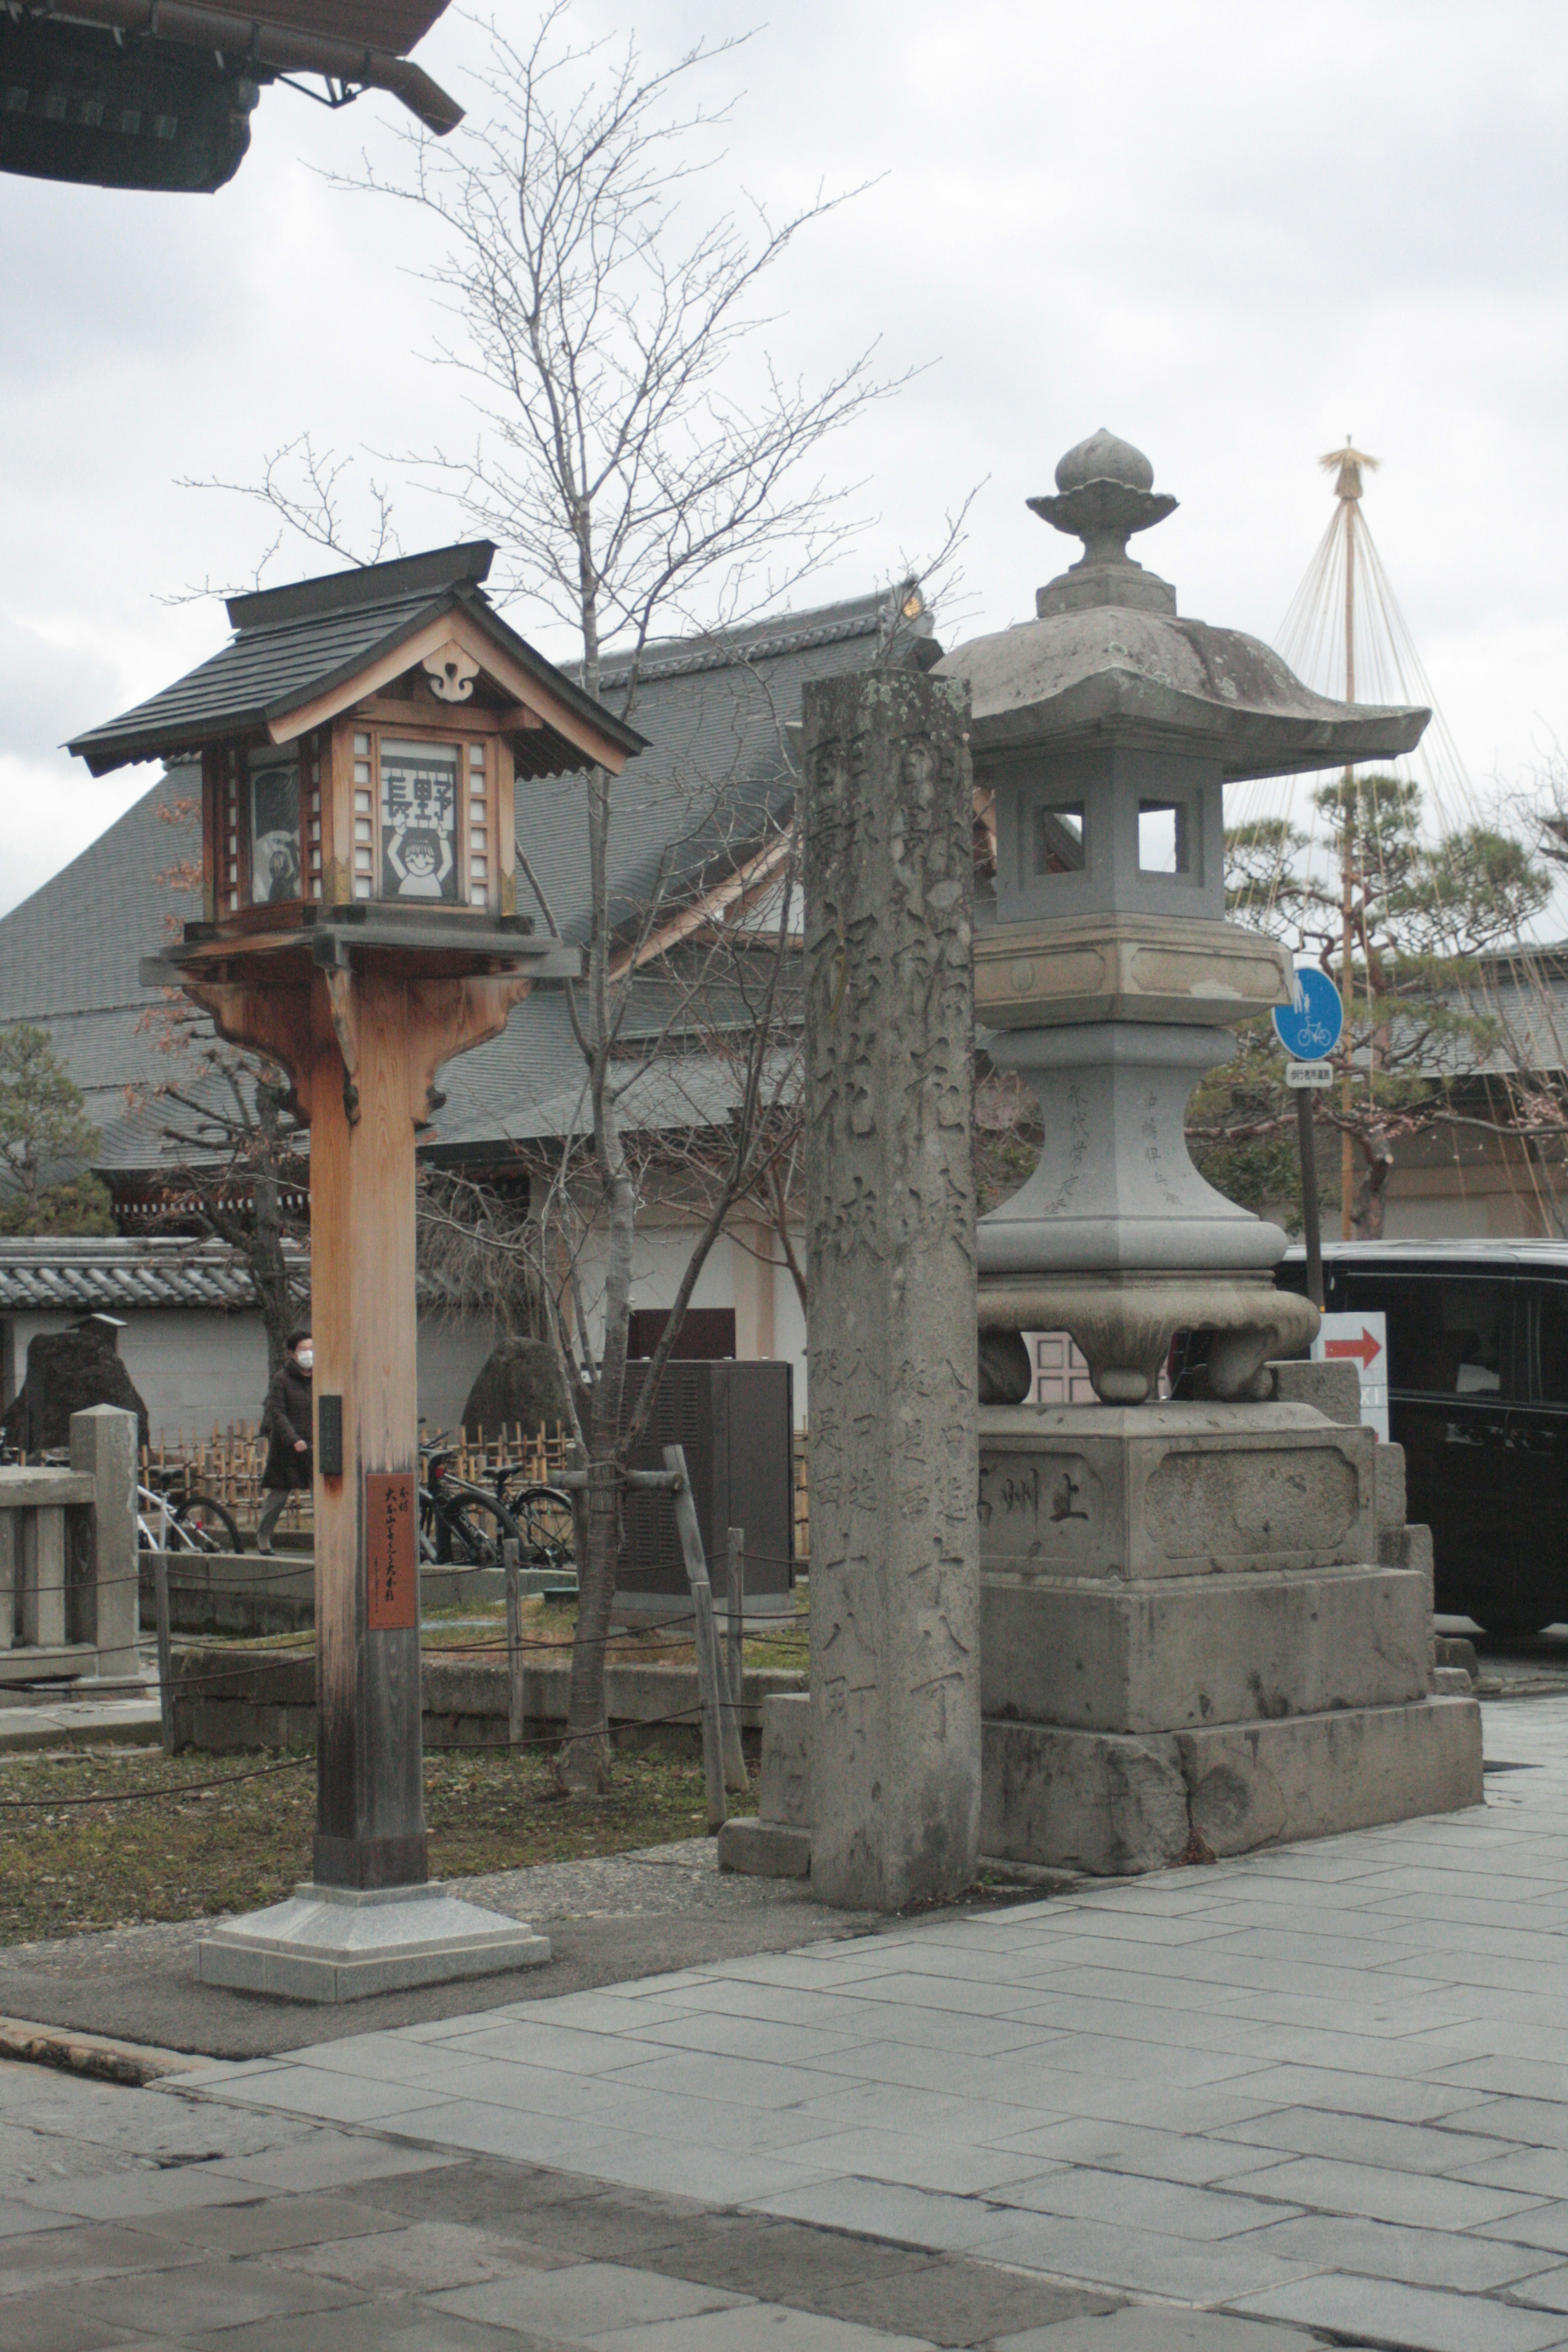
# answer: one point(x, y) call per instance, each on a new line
point(1332, 1390)
point(1103, 1491)
point(785, 1790)
point(1313, 1776)
point(1100, 1802)
point(103, 1447)
point(1172, 1654)
point(765, 1849)
point(1388, 1462)
point(1091, 1801)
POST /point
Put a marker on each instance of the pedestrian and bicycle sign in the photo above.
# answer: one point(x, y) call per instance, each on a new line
point(1309, 1027)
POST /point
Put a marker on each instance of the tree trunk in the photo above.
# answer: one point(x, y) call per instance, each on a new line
point(1371, 1198)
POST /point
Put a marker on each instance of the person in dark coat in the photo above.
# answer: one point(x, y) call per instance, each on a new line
point(287, 1419)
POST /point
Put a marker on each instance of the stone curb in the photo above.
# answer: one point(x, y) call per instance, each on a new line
point(130, 2064)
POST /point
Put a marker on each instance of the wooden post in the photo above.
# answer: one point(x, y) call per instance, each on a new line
point(511, 1557)
point(165, 1650)
point(734, 1748)
point(370, 1781)
point(737, 1610)
point(7, 1579)
point(707, 1643)
point(1307, 1135)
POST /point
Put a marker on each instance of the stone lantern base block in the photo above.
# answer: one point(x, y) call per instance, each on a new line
point(341, 1943)
point(1202, 1632)
point(1112, 1805)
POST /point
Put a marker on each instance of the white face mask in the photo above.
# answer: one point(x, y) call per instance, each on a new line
point(305, 1357)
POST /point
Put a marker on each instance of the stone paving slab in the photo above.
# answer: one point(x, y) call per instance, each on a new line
point(610, 1918)
point(1319, 2091)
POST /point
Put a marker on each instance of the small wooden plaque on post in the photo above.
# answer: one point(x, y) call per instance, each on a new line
point(391, 1551)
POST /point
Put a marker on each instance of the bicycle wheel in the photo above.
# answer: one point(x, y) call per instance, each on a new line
point(473, 1526)
point(544, 1515)
point(207, 1525)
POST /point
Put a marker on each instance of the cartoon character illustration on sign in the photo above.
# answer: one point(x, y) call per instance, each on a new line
point(421, 860)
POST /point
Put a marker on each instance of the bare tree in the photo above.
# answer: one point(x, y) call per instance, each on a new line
point(628, 471)
point(642, 462)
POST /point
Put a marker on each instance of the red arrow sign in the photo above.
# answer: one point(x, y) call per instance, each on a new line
point(1365, 1350)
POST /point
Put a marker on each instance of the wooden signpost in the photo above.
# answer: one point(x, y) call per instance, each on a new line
point(360, 930)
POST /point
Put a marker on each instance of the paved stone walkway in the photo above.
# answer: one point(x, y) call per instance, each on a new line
point(1320, 2094)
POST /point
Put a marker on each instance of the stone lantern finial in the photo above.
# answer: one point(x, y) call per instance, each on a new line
point(1105, 493)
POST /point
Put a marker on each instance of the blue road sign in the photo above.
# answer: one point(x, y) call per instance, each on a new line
point(1309, 1027)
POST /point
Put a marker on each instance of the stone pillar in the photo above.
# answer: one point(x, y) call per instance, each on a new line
point(895, 1681)
point(103, 1442)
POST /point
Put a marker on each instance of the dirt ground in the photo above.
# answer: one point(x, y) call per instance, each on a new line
point(240, 1837)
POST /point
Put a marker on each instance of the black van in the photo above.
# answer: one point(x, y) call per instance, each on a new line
point(1478, 1396)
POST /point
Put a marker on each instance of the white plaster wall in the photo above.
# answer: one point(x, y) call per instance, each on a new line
point(732, 1276)
point(196, 1367)
point(789, 1327)
point(1430, 1218)
point(452, 1347)
point(199, 1368)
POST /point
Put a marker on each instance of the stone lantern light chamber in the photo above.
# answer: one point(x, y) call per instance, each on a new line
point(1107, 730)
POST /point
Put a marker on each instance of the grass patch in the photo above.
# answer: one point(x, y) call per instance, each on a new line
point(68, 1869)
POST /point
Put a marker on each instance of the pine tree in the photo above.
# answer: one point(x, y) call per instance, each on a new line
point(45, 1141)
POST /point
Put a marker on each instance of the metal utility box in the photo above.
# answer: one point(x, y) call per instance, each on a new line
point(736, 1421)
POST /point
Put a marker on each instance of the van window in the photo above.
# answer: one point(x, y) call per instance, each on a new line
point(1552, 1342)
point(1445, 1338)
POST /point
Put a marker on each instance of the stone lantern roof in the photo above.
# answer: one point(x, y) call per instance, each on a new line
point(1108, 658)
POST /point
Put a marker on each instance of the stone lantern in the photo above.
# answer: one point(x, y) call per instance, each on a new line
point(1107, 730)
point(1204, 1626)
point(359, 741)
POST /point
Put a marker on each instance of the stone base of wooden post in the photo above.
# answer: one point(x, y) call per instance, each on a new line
point(341, 1943)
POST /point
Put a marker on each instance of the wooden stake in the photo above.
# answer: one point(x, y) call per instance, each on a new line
point(165, 1650)
point(510, 1552)
point(734, 1747)
point(708, 1682)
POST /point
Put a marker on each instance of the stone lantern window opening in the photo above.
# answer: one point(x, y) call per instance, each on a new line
point(1060, 837)
point(1169, 840)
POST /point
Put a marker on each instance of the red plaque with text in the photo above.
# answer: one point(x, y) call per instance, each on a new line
point(392, 1552)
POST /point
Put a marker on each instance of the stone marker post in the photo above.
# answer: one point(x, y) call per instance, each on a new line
point(895, 1571)
point(104, 1443)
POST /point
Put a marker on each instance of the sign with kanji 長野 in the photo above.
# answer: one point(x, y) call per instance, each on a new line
point(392, 1552)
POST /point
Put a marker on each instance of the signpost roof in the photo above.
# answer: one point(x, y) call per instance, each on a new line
point(301, 652)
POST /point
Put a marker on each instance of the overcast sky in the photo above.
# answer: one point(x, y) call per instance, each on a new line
point(1231, 233)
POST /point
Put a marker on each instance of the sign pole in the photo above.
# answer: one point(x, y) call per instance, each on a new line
point(1308, 1142)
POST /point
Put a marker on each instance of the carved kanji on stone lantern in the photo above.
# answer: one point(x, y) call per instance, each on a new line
point(359, 740)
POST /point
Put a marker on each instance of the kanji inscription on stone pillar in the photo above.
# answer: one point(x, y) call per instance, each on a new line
point(895, 1570)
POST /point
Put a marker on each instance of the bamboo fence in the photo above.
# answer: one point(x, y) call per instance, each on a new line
point(227, 1465)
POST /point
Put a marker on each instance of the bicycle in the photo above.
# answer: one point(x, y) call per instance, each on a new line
point(543, 1513)
point(197, 1522)
point(460, 1524)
